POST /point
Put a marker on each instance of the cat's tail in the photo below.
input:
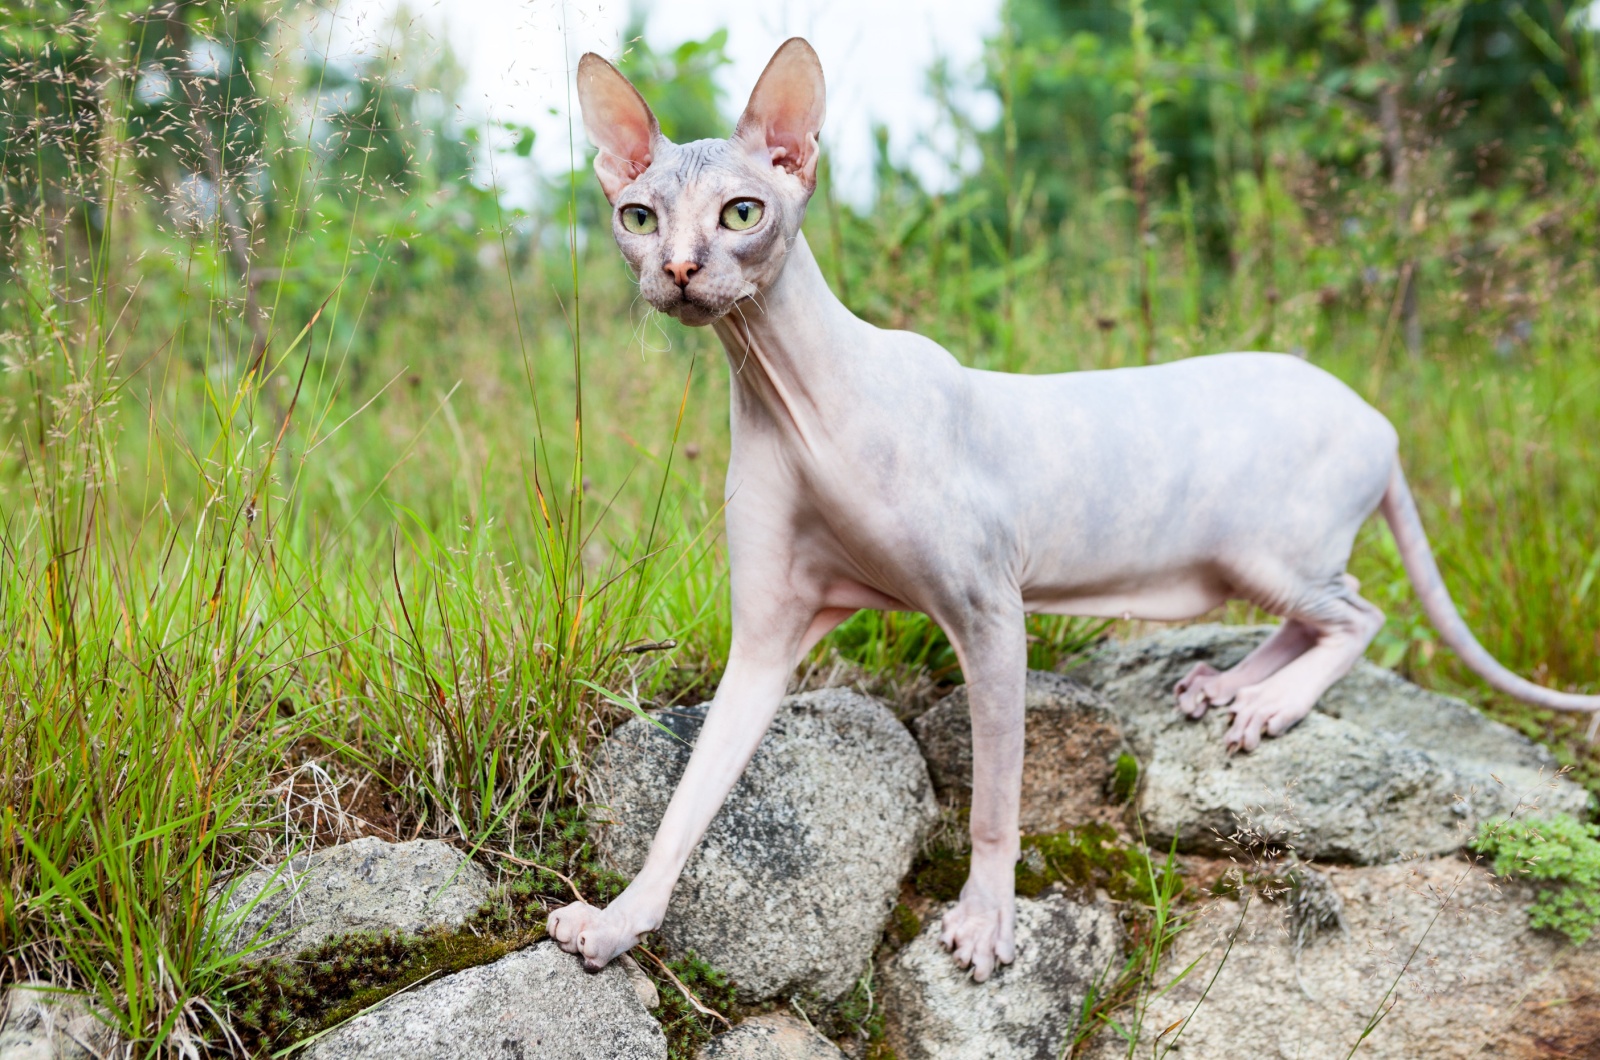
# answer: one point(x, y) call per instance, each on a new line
point(1401, 511)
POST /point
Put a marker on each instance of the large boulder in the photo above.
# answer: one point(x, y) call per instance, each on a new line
point(1074, 738)
point(774, 1036)
point(1025, 1011)
point(366, 885)
point(789, 891)
point(1381, 769)
point(1438, 948)
point(39, 1023)
point(535, 1003)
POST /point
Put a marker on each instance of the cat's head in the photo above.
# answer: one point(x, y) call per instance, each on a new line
point(707, 223)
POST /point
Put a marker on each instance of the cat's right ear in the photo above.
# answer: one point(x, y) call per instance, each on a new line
point(618, 122)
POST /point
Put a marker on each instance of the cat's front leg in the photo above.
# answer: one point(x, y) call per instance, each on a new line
point(768, 642)
point(992, 647)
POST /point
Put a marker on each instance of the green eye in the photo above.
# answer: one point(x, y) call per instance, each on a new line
point(640, 220)
point(741, 215)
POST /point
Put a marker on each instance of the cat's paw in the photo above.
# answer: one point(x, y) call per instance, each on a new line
point(597, 935)
point(1267, 709)
point(981, 933)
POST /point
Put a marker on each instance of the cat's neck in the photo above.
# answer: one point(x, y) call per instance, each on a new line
point(791, 347)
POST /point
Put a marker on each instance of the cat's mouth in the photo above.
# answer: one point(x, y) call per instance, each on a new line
point(688, 309)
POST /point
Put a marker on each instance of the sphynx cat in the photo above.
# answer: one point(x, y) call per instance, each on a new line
point(869, 469)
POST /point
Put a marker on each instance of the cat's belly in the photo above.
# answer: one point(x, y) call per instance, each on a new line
point(1174, 601)
point(1183, 597)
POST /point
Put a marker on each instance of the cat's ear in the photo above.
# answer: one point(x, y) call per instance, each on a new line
point(618, 122)
point(784, 115)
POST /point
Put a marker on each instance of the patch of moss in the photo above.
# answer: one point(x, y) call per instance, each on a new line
point(904, 925)
point(280, 1001)
point(1124, 778)
point(940, 871)
point(1092, 856)
point(1084, 858)
point(563, 851)
point(1030, 881)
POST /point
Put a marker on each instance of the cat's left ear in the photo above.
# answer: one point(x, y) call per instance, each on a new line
point(784, 115)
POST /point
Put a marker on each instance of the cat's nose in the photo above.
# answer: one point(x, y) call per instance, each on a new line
point(680, 271)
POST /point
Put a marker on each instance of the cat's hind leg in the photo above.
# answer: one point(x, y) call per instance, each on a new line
point(1343, 624)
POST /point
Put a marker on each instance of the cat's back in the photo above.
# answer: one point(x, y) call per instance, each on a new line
point(1260, 388)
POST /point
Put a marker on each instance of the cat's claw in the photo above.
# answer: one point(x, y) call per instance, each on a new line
point(1202, 688)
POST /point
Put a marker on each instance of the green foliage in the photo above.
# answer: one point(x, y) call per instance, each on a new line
point(1118, 997)
point(685, 1026)
point(1237, 85)
point(1560, 852)
point(885, 640)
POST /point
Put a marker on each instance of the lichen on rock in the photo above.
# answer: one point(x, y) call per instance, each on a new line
point(1025, 1011)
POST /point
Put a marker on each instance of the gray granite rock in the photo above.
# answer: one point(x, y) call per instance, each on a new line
point(366, 885)
point(1074, 737)
point(1480, 984)
point(37, 1023)
point(1379, 770)
point(532, 1004)
point(775, 1036)
point(1025, 1011)
point(791, 887)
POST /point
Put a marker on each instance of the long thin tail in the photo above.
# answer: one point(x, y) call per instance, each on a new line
point(1401, 511)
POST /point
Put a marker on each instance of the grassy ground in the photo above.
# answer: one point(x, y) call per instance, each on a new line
point(403, 584)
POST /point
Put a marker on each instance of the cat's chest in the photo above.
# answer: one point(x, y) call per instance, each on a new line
point(867, 507)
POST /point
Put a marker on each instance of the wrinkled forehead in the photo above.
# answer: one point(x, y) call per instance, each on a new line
point(702, 168)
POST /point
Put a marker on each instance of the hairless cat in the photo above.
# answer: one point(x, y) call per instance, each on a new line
point(870, 470)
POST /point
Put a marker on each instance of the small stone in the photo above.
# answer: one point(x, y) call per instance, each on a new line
point(775, 1036)
point(535, 1003)
point(1025, 1011)
point(39, 1023)
point(367, 885)
point(1073, 740)
point(642, 984)
point(790, 889)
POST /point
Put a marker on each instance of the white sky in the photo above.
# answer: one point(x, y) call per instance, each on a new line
point(875, 54)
